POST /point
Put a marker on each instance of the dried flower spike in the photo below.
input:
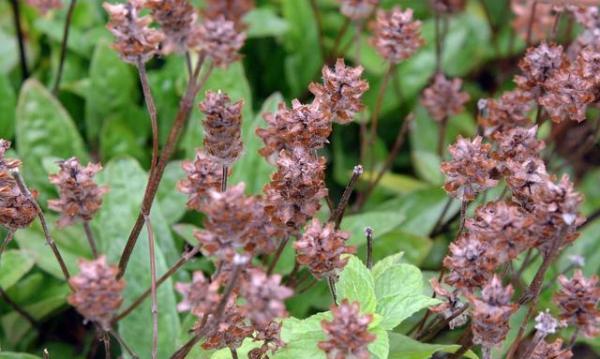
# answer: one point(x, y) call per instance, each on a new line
point(540, 24)
point(358, 9)
point(539, 64)
point(203, 175)
point(470, 262)
point(222, 127)
point(220, 41)
point(509, 111)
point(545, 350)
point(546, 324)
point(567, 96)
point(96, 291)
point(517, 144)
point(200, 297)
point(578, 301)
point(176, 19)
point(471, 169)
point(443, 98)
point(264, 297)
point(44, 6)
point(7, 164)
point(233, 10)
point(449, 6)
point(80, 196)
point(134, 40)
point(341, 91)
point(347, 333)
point(396, 36)
point(321, 249)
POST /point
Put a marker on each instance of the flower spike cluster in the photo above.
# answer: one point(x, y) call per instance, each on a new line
point(443, 98)
point(396, 36)
point(177, 20)
point(347, 333)
point(357, 9)
point(578, 301)
point(203, 175)
point(220, 41)
point(233, 10)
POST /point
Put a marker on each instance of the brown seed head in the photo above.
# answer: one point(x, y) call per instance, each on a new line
point(16, 210)
point(341, 91)
point(222, 127)
point(200, 297)
point(177, 19)
point(542, 21)
point(321, 249)
point(264, 297)
point(567, 95)
point(220, 41)
point(578, 302)
point(233, 10)
point(509, 111)
point(396, 36)
point(358, 9)
point(347, 333)
point(518, 144)
point(470, 262)
point(7, 164)
point(80, 196)
point(203, 175)
point(233, 328)
point(545, 350)
point(539, 64)
point(443, 98)
point(96, 291)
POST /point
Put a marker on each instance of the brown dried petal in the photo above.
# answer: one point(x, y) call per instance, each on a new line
point(219, 40)
point(203, 175)
point(443, 98)
point(177, 19)
point(396, 36)
point(578, 302)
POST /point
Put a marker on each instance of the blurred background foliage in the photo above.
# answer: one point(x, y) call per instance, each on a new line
point(99, 115)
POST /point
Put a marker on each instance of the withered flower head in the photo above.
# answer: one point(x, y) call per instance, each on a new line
point(509, 111)
point(396, 36)
point(264, 297)
point(443, 98)
point(293, 196)
point(44, 6)
point(301, 126)
point(96, 291)
point(200, 296)
point(545, 350)
point(491, 313)
point(203, 175)
point(567, 96)
point(7, 164)
point(523, 176)
point(518, 144)
point(358, 9)
point(270, 336)
point(539, 64)
point(449, 6)
point(588, 66)
point(220, 41)
point(588, 16)
point(80, 196)
point(578, 302)
point(134, 40)
point(233, 328)
point(321, 249)
point(546, 324)
point(233, 10)
point(450, 304)
point(222, 127)
point(176, 19)
point(347, 333)
point(341, 91)
point(229, 215)
point(471, 169)
point(542, 21)
point(470, 262)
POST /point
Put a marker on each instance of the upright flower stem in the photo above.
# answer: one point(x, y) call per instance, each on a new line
point(224, 176)
point(331, 284)
point(338, 214)
point(369, 234)
point(25, 191)
point(234, 354)
point(443, 127)
point(531, 21)
point(280, 249)
point(379, 102)
point(141, 66)
point(106, 341)
point(9, 237)
point(90, 237)
point(151, 245)
point(16, 9)
point(154, 180)
point(63, 47)
point(440, 219)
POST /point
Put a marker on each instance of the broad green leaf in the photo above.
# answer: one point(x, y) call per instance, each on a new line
point(263, 22)
point(403, 347)
point(427, 166)
point(14, 264)
point(386, 263)
point(8, 103)
point(302, 337)
point(381, 222)
point(172, 202)
point(355, 283)
point(252, 168)
point(242, 351)
point(587, 246)
point(397, 183)
point(399, 291)
point(11, 355)
point(118, 139)
point(119, 211)
point(380, 348)
point(112, 88)
point(54, 29)
point(44, 129)
point(186, 231)
point(591, 191)
point(9, 55)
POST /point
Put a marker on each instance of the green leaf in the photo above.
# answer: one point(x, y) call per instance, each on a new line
point(263, 22)
point(112, 88)
point(44, 129)
point(8, 52)
point(172, 202)
point(252, 168)
point(302, 337)
point(119, 211)
point(399, 291)
point(403, 347)
point(10, 355)
point(380, 348)
point(381, 222)
point(247, 345)
point(396, 183)
point(117, 139)
point(427, 166)
point(7, 108)
point(13, 266)
point(386, 263)
point(355, 283)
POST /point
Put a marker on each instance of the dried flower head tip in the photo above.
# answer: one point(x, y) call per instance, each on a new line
point(80, 196)
point(233, 328)
point(7, 164)
point(567, 96)
point(321, 249)
point(368, 232)
point(491, 313)
point(176, 19)
point(546, 324)
point(396, 36)
point(449, 6)
point(358, 9)
point(443, 98)
point(576, 260)
point(341, 91)
point(203, 174)
point(220, 41)
point(233, 10)
point(470, 262)
point(44, 6)
point(545, 350)
point(264, 297)
point(578, 302)
point(538, 65)
point(200, 296)
point(518, 144)
point(222, 127)
point(96, 291)
point(509, 111)
point(134, 39)
point(16, 209)
point(471, 169)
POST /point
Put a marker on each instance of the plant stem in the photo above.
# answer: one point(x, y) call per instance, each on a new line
point(378, 104)
point(315, 9)
point(338, 214)
point(25, 191)
point(16, 8)
point(433, 330)
point(170, 146)
point(331, 283)
point(63, 46)
point(531, 21)
point(278, 255)
point(573, 338)
point(445, 210)
point(106, 341)
point(123, 344)
point(9, 237)
point(443, 126)
point(45, 354)
point(174, 268)
point(153, 287)
point(234, 354)
point(90, 237)
point(463, 217)
point(224, 175)
point(141, 66)
point(369, 234)
point(466, 342)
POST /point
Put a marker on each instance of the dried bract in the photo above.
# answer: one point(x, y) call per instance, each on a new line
point(44, 6)
point(540, 24)
point(539, 64)
point(176, 19)
point(449, 6)
point(233, 10)
point(220, 41)
point(264, 297)
point(396, 36)
point(469, 262)
point(509, 111)
point(200, 297)
point(545, 350)
point(231, 331)
point(517, 144)
point(358, 9)
point(203, 175)
point(578, 301)
point(567, 96)
point(443, 98)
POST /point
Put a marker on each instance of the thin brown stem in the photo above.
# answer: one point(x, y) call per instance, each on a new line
point(25, 191)
point(234, 354)
point(442, 128)
point(531, 22)
point(106, 341)
point(280, 249)
point(379, 102)
point(369, 235)
point(331, 284)
point(430, 333)
point(337, 216)
point(17, 308)
point(466, 342)
point(440, 219)
point(16, 9)
point(63, 46)
point(188, 63)
point(170, 146)
point(153, 287)
point(9, 237)
point(573, 338)
point(90, 238)
point(141, 66)
point(224, 176)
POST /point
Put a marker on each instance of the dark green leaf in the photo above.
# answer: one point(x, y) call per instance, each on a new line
point(263, 22)
point(172, 202)
point(381, 222)
point(403, 347)
point(13, 266)
point(8, 103)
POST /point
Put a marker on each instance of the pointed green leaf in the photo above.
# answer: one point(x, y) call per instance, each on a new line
point(379, 348)
point(386, 263)
point(355, 283)
point(302, 337)
point(403, 347)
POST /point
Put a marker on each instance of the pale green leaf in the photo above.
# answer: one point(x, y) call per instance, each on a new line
point(263, 22)
point(172, 202)
point(381, 222)
point(380, 348)
point(355, 283)
point(8, 102)
point(386, 263)
point(302, 337)
point(403, 347)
